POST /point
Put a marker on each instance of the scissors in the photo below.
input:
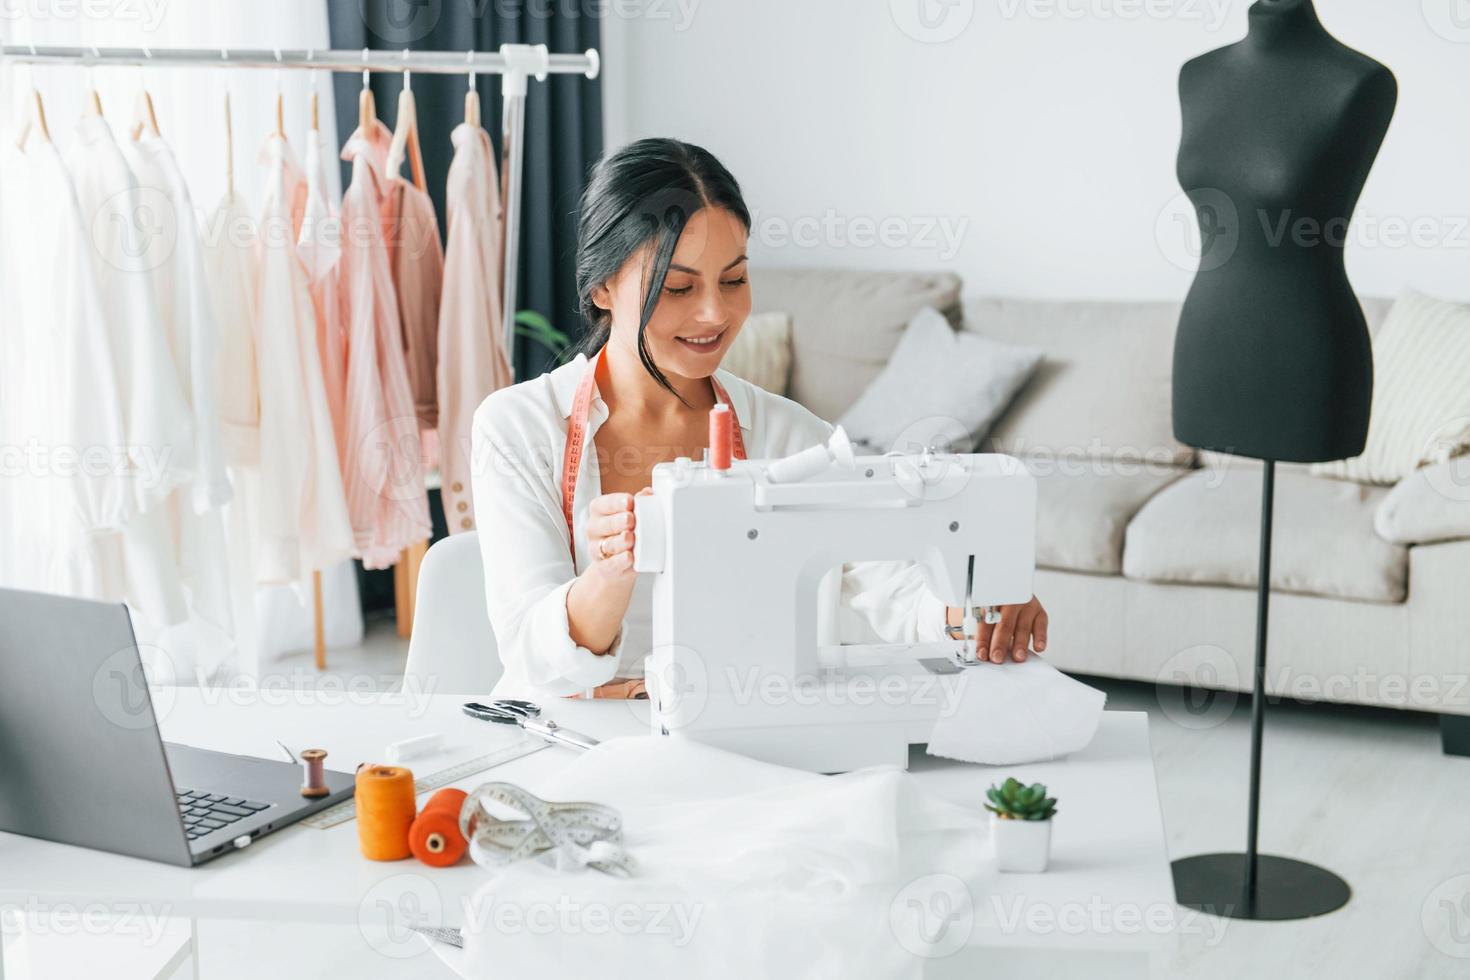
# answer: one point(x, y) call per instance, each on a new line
point(509, 711)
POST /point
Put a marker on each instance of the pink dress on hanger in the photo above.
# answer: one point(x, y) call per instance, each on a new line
point(384, 469)
point(472, 359)
point(319, 246)
point(417, 260)
point(302, 521)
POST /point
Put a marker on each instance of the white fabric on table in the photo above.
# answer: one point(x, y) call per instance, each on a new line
point(745, 870)
point(1010, 713)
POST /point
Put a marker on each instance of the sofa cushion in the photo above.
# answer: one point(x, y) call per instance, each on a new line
point(845, 323)
point(1083, 509)
point(761, 353)
point(1205, 529)
point(1103, 390)
point(942, 387)
point(1421, 398)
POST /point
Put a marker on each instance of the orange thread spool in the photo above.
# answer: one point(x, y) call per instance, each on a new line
point(434, 837)
point(721, 436)
point(385, 811)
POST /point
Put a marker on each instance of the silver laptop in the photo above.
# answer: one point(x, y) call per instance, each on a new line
point(81, 760)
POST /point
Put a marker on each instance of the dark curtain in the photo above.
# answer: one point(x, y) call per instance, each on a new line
point(563, 134)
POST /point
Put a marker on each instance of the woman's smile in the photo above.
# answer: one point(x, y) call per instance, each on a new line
point(702, 343)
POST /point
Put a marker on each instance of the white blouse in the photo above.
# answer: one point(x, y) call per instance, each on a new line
point(519, 436)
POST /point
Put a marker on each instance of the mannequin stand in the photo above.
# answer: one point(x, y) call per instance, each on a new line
point(1253, 885)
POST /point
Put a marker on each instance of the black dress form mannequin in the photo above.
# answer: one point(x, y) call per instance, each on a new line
point(1272, 358)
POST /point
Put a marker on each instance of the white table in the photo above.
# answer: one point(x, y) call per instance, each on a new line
point(1106, 905)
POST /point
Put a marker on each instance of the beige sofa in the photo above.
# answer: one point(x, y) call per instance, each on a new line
point(1147, 549)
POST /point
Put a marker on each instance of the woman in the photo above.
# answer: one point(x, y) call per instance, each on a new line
point(661, 272)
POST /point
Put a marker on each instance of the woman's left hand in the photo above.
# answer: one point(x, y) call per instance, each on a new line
point(1021, 631)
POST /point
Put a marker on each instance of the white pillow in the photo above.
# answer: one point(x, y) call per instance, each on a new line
point(1429, 505)
point(1421, 392)
point(941, 387)
point(761, 353)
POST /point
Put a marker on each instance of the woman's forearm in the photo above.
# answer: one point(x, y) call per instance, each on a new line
point(596, 605)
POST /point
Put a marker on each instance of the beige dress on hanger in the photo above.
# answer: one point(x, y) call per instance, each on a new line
point(472, 361)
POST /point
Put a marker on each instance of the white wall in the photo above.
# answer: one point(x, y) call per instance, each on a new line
point(1033, 150)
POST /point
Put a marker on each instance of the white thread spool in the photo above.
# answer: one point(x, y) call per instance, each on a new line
point(810, 462)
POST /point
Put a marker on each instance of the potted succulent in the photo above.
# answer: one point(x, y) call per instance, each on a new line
point(1020, 825)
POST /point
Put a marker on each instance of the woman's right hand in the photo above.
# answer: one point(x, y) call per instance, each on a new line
point(611, 531)
point(598, 599)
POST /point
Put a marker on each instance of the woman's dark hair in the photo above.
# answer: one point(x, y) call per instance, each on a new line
point(643, 193)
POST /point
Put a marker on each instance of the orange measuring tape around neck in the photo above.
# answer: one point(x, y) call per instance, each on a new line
point(571, 461)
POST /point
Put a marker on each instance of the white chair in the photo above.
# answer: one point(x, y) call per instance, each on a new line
point(452, 649)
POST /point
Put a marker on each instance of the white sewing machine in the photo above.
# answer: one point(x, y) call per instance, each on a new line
point(741, 554)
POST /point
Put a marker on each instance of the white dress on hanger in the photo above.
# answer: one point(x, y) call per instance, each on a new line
point(319, 246)
point(302, 524)
point(229, 270)
point(67, 479)
point(131, 234)
point(196, 515)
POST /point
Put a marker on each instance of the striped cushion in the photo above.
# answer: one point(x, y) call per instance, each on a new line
point(1421, 392)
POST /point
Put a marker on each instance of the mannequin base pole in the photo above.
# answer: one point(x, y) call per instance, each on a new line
point(1285, 888)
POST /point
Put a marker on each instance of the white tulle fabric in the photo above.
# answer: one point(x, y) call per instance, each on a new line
point(744, 870)
point(1010, 713)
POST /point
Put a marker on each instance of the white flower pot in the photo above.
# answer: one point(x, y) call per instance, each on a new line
point(1021, 845)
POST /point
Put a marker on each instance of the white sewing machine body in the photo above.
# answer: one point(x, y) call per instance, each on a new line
point(740, 555)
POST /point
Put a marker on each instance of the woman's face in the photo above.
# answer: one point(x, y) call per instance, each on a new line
point(706, 297)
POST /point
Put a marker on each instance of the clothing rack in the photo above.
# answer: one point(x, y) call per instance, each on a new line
point(516, 63)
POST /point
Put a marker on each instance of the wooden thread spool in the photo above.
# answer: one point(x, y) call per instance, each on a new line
point(385, 811)
point(434, 837)
point(311, 765)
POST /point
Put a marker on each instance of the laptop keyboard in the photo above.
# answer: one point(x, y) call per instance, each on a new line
point(204, 813)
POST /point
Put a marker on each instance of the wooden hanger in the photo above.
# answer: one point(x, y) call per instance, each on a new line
point(229, 150)
point(93, 106)
point(280, 102)
point(406, 134)
point(367, 109)
point(35, 121)
point(471, 98)
point(143, 116)
point(315, 126)
point(472, 108)
point(35, 118)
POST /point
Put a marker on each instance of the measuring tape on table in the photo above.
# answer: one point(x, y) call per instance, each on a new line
point(347, 810)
